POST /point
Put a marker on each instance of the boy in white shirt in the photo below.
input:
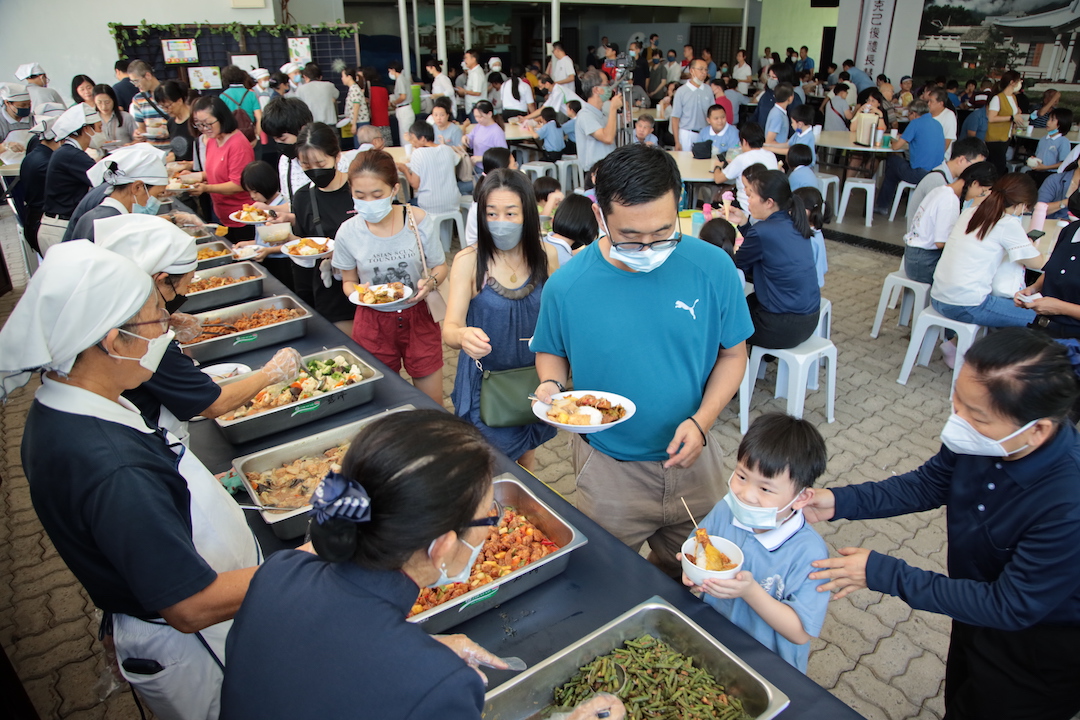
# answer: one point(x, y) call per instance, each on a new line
point(751, 140)
point(431, 173)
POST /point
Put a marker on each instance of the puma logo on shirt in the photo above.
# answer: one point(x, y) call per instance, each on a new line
point(680, 305)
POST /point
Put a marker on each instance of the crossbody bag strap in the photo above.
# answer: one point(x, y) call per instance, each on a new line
point(420, 245)
point(315, 210)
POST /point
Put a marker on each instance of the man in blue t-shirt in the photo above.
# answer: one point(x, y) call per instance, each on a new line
point(660, 320)
point(924, 139)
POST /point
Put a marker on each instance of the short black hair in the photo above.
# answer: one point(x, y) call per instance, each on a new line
point(636, 174)
point(776, 443)
point(721, 233)
point(495, 78)
point(312, 71)
point(548, 113)
point(233, 75)
point(121, 65)
point(317, 136)
point(575, 220)
point(395, 65)
point(574, 105)
point(799, 155)
point(422, 131)
point(1064, 118)
point(802, 113)
point(970, 148)
point(261, 177)
point(753, 134)
point(715, 107)
point(285, 116)
point(214, 105)
point(839, 88)
point(446, 104)
point(543, 186)
point(952, 85)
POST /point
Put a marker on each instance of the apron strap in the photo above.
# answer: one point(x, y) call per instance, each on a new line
point(210, 650)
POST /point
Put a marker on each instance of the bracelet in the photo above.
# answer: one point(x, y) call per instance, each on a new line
point(557, 384)
point(704, 437)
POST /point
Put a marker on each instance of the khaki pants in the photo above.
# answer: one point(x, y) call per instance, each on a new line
point(640, 501)
point(51, 232)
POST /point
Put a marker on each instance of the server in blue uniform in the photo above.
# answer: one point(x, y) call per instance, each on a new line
point(1009, 473)
point(35, 167)
point(157, 542)
point(410, 509)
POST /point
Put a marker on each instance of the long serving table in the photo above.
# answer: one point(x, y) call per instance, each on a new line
point(603, 579)
point(843, 141)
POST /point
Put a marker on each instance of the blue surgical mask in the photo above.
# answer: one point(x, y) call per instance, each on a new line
point(642, 261)
point(466, 571)
point(605, 93)
point(505, 234)
point(150, 208)
point(1053, 133)
point(759, 518)
point(772, 83)
point(373, 210)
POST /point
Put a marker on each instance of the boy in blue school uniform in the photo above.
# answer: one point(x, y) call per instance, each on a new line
point(643, 131)
point(772, 598)
point(802, 133)
point(550, 134)
point(720, 132)
point(1055, 146)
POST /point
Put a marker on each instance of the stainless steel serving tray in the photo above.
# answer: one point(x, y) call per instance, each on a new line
point(293, 523)
point(227, 294)
point(510, 491)
point(216, 261)
point(527, 695)
point(273, 334)
point(302, 412)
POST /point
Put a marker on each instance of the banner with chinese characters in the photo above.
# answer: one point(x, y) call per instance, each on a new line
point(874, 29)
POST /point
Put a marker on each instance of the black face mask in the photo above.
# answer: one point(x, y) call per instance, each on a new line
point(176, 303)
point(287, 149)
point(321, 177)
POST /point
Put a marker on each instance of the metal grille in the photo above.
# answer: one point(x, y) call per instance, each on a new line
point(721, 40)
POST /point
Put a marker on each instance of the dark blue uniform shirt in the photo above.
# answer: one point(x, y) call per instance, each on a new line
point(782, 264)
point(177, 385)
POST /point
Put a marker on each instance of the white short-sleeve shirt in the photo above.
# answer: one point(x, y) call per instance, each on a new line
point(521, 104)
point(934, 219)
point(971, 269)
point(734, 170)
point(562, 68)
point(947, 119)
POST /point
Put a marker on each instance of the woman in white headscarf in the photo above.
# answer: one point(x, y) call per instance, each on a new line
point(66, 182)
point(130, 180)
point(179, 391)
point(154, 538)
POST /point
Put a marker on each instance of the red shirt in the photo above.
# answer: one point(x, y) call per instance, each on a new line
point(224, 164)
point(726, 104)
point(380, 106)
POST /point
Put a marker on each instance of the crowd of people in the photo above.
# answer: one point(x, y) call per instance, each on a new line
point(536, 273)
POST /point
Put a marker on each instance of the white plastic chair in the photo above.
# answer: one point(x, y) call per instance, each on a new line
point(450, 216)
point(570, 174)
point(539, 168)
point(825, 181)
point(900, 190)
point(925, 335)
point(799, 359)
point(916, 298)
point(867, 186)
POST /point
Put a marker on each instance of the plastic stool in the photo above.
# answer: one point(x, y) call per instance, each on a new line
point(802, 357)
point(826, 181)
point(450, 216)
point(868, 187)
point(538, 169)
point(824, 330)
point(570, 173)
point(904, 185)
point(924, 337)
point(916, 297)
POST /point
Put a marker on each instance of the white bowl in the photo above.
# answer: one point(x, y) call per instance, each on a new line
point(325, 242)
point(246, 253)
point(540, 410)
point(221, 371)
point(273, 234)
point(699, 574)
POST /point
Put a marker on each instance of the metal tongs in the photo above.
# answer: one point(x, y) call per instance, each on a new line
point(219, 328)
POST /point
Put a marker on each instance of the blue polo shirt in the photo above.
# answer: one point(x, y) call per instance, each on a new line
point(651, 337)
point(926, 138)
point(1052, 150)
point(781, 262)
point(777, 123)
point(568, 129)
point(805, 137)
point(860, 79)
point(728, 139)
point(977, 122)
point(1055, 188)
point(802, 176)
point(552, 136)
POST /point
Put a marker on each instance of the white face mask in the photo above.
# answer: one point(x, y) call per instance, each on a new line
point(466, 570)
point(373, 210)
point(963, 439)
point(642, 261)
point(155, 349)
point(759, 518)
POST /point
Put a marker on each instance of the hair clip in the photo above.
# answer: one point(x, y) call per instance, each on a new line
point(340, 497)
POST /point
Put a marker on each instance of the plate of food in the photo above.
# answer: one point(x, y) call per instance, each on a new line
point(386, 296)
point(222, 371)
point(585, 411)
point(246, 253)
point(250, 215)
point(309, 248)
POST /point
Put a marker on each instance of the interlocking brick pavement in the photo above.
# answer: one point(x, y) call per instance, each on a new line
point(875, 653)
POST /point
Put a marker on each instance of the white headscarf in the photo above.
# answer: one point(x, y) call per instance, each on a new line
point(14, 92)
point(258, 74)
point(290, 67)
point(151, 242)
point(80, 293)
point(45, 117)
point(74, 119)
point(141, 161)
point(28, 70)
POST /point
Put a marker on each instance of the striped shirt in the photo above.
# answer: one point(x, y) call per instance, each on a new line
point(438, 191)
point(143, 109)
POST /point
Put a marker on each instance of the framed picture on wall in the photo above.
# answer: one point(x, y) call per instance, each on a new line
point(178, 51)
point(245, 61)
point(300, 50)
point(204, 77)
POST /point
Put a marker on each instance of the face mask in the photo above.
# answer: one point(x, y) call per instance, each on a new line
point(22, 112)
point(641, 260)
point(671, 58)
point(772, 83)
point(496, 68)
point(150, 208)
point(1052, 133)
point(462, 576)
point(264, 84)
point(373, 210)
point(960, 437)
point(321, 177)
point(155, 350)
point(464, 66)
point(633, 53)
point(287, 149)
point(605, 93)
point(759, 518)
point(966, 204)
point(393, 76)
point(505, 234)
point(176, 303)
point(656, 61)
point(296, 79)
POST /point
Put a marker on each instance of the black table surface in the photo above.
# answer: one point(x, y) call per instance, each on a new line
point(603, 579)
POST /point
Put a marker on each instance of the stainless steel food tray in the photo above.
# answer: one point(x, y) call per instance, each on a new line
point(527, 695)
point(227, 294)
point(510, 491)
point(273, 334)
point(302, 412)
point(216, 261)
point(293, 523)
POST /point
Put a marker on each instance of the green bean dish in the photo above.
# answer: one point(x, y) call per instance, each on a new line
point(653, 681)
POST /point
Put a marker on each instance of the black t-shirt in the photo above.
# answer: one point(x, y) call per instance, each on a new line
point(32, 174)
point(125, 92)
point(181, 140)
point(66, 182)
point(177, 385)
point(116, 508)
point(335, 207)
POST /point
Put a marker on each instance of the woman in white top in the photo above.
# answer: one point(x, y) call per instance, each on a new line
point(933, 221)
point(1002, 113)
point(982, 265)
point(742, 72)
point(517, 97)
point(441, 86)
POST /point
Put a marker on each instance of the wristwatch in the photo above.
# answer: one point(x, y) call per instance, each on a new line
point(557, 384)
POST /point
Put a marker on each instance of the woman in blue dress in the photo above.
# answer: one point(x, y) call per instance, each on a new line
point(495, 289)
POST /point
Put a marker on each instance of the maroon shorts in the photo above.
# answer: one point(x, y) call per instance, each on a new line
point(410, 337)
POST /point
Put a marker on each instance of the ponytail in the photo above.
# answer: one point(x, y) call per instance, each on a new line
point(773, 185)
point(1012, 189)
point(516, 71)
point(985, 173)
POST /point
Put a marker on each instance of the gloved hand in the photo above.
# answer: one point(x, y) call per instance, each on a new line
point(187, 327)
point(326, 272)
point(603, 705)
point(284, 366)
point(472, 654)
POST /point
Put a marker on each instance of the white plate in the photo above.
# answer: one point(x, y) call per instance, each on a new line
point(222, 371)
point(384, 307)
point(327, 242)
point(540, 410)
point(235, 217)
point(246, 253)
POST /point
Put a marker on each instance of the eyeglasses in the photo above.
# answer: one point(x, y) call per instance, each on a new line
point(163, 321)
point(205, 126)
point(494, 516)
point(658, 245)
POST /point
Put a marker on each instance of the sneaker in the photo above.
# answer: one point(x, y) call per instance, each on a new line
point(948, 352)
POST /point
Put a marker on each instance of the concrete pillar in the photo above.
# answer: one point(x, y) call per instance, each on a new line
point(556, 20)
point(403, 21)
point(1065, 74)
point(1055, 55)
point(440, 31)
point(745, 20)
point(416, 41)
point(466, 24)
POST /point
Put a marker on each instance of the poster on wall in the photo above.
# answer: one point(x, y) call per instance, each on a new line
point(180, 51)
point(874, 31)
point(204, 78)
point(300, 50)
point(244, 61)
